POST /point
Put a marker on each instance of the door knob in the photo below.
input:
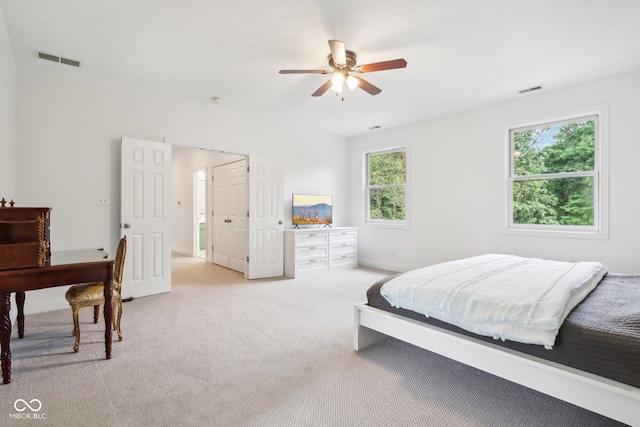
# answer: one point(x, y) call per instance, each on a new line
point(127, 225)
point(280, 222)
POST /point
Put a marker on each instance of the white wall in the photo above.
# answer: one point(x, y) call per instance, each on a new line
point(7, 123)
point(457, 183)
point(68, 151)
point(7, 115)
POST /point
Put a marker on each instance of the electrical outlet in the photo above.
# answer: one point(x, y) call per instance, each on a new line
point(102, 201)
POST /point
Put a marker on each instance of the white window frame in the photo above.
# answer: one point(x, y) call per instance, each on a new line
point(600, 228)
point(385, 222)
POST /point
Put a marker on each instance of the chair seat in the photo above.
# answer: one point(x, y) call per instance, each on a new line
point(88, 294)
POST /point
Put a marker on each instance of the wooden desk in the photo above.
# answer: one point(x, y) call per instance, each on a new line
point(64, 268)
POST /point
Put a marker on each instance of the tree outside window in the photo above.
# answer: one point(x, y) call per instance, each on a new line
point(386, 185)
point(554, 176)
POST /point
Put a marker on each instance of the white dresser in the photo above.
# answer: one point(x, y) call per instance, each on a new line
point(312, 250)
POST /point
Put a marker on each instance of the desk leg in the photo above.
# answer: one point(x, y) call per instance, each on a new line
point(5, 336)
point(108, 315)
point(20, 304)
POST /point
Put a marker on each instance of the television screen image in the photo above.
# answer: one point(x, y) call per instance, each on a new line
point(308, 209)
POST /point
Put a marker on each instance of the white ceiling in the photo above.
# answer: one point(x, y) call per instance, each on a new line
point(461, 54)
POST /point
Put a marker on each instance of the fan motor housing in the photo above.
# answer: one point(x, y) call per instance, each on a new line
point(351, 60)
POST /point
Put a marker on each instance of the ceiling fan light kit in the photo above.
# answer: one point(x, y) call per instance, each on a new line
point(344, 62)
point(352, 82)
point(337, 82)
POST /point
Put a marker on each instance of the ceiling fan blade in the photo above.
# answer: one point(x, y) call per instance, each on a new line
point(303, 72)
point(384, 65)
point(367, 87)
point(338, 53)
point(322, 89)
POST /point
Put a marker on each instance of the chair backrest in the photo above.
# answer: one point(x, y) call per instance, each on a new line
point(118, 265)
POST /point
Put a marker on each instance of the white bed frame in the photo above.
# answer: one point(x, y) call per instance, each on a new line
point(607, 397)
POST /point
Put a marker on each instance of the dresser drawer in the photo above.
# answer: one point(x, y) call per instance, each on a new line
point(311, 239)
point(311, 265)
point(343, 237)
point(343, 248)
point(316, 251)
point(346, 260)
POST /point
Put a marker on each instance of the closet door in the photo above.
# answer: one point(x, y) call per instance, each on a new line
point(230, 215)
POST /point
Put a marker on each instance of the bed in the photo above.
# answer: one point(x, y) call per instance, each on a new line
point(594, 363)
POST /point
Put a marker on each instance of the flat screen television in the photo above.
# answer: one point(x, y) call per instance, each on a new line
point(310, 209)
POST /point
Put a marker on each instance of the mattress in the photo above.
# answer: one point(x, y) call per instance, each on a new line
point(601, 335)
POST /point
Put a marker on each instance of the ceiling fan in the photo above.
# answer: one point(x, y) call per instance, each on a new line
point(343, 63)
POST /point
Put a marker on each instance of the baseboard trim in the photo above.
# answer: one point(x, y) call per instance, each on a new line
point(181, 251)
point(363, 262)
point(45, 306)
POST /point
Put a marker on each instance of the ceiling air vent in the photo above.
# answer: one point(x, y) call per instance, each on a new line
point(531, 89)
point(69, 62)
point(48, 57)
point(58, 59)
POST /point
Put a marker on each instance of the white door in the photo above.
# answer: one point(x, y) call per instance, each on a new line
point(230, 215)
point(266, 207)
point(145, 216)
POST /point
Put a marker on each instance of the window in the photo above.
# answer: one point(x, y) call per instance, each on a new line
point(386, 186)
point(555, 178)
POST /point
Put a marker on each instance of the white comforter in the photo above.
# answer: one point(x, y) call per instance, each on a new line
point(502, 296)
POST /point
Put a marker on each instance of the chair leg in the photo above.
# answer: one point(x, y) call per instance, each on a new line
point(114, 317)
point(117, 318)
point(76, 327)
point(96, 313)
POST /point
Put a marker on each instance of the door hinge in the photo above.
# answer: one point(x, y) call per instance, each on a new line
point(247, 259)
point(212, 214)
point(247, 214)
point(247, 169)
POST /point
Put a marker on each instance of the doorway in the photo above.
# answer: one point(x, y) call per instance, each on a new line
point(200, 209)
point(264, 200)
point(192, 231)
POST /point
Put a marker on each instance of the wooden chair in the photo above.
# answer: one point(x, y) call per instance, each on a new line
point(92, 294)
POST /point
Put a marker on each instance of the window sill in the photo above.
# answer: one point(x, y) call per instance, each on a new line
point(403, 225)
point(596, 235)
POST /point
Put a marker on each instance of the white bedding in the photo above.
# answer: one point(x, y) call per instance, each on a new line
point(502, 296)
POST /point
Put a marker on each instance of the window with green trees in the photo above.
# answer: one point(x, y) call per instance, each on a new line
point(386, 185)
point(554, 175)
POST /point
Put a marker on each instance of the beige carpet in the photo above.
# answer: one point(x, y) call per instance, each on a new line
point(223, 351)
